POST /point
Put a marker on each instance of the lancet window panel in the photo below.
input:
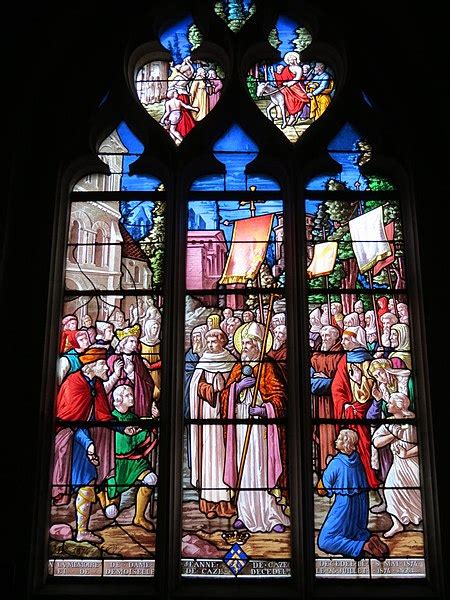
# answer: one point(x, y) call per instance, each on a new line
point(104, 481)
point(363, 398)
point(236, 513)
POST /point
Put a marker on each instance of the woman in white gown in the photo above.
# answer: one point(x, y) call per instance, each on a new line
point(401, 488)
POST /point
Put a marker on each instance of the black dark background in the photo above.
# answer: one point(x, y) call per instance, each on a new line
point(58, 61)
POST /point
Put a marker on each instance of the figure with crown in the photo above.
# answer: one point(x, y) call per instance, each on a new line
point(135, 371)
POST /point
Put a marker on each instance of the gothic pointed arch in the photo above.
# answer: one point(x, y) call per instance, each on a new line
point(237, 387)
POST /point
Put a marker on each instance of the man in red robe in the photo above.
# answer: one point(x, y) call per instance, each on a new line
point(84, 455)
point(351, 390)
point(289, 82)
point(323, 369)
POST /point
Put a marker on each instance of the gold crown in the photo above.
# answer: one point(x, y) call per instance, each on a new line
point(123, 333)
point(235, 537)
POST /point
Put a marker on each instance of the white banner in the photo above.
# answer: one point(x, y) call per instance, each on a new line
point(369, 239)
point(323, 259)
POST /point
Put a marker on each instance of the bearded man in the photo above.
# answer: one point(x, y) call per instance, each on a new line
point(135, 370)
point(256, 470)
point(279, 349)
point(323, 369)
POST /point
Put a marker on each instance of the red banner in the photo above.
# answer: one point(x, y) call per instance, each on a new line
point(248, 249)
point(389, 229)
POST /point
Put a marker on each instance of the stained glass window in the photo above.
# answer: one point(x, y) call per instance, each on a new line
point(188, 273)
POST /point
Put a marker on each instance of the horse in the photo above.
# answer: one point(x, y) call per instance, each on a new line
point(265, 88)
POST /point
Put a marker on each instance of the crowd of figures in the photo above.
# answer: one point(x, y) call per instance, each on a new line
point(235, 404)
point(296, 91)
point(188, 93)
point(365, 437)
point(107, 406)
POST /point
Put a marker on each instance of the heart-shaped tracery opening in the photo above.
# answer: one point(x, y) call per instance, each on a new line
point(179, 93)
point(291, 93)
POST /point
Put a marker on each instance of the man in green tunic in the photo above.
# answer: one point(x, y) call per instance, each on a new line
point(132, 466)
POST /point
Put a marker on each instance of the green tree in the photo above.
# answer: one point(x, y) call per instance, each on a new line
point(321, 225)
point(219, 70)
point(336, 276)
point(302, 40)
point(265, 274)
point(152, 244)
point(194, 36)
point(274, 38)
point(365, 152)
point(382, 278)
point(266, 280)
point(252, 85)
point(219, 9)
point(379, 184)
point(340, 213)
point(314, 284)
